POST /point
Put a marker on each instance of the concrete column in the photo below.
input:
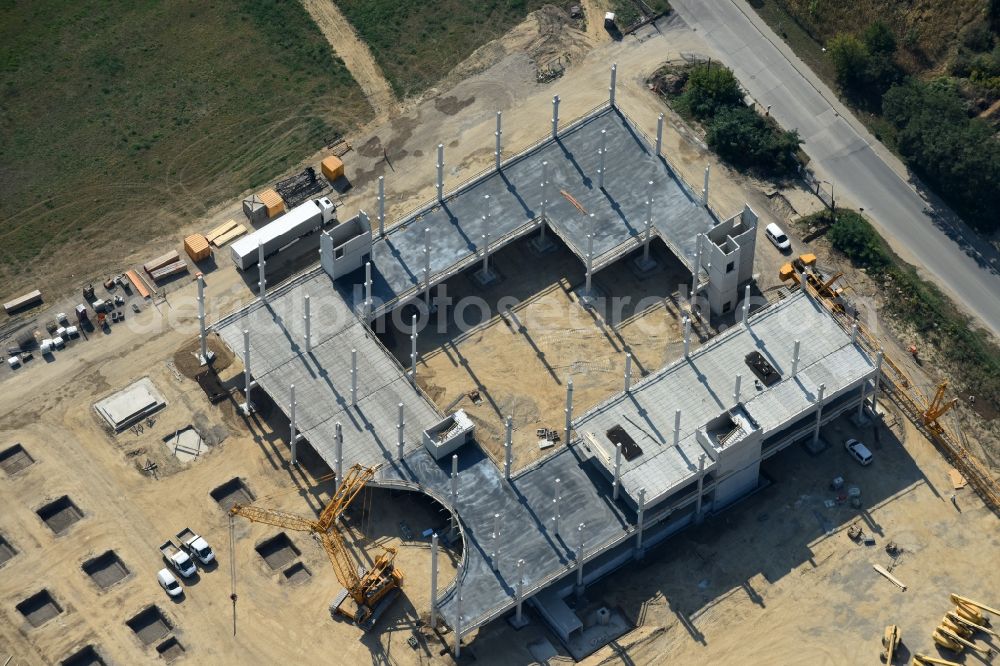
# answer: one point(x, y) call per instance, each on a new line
point(434, 579)
point(590, 264)
point(795, 358)
point(368, 291)
point(569, 409)
point(203, 338)
point(545, 196)
point(611, 87)
point(458, 612)
point(819, 412)
point(498, 133)
point(696, 271)
point(248, 383)
point(557, 501)
point(291, 417)
point(413, 350)
point(659, 135)
point(861, 403)
point(704, 190)
point(649, 224)
point(495, 556)
point(639, 526)
point(454, 481)
point(677, 427)
point(440, 172)
point(579, 558)
point(628, 371)
point(262, 269)
point(736, 391)
point(486, 247)
point(508, 448)
point(701, 484)
point(306, 320)
point(427, 267)
point(854, 333)
point(746, 304)
point(555, 116)
point(400, 433)
point(354, 378)
point(878, 379)
point(600, 154)
point(338, 454)
point(618, 472)
point(687, 336)
point(519, 593)
point(381, 205)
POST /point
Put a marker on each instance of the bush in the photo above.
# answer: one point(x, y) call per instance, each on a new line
point(850, 60)
point(852, 235)
point(709, 89)
point(746, 140)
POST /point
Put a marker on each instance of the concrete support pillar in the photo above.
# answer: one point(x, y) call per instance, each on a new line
point(354, 378)
point(854, 333)
point(519, 593)
point(618, 472)
point(677, 427)
point(307, 322)
point(262, 270)
point(555, 116)
point(495, 553)
point(454, 481)
point(427, 267)
point(497, 134)
point(687, 336)
point(557, 503)
point(649, 224)
point(569, 409)
point(795, 358)
point(368, 291)
point(628, 371)
point(639, 526)
point(486, 246)
point(696, 271)
point(878, 379)
point(601, 157)
point(611, 87)
point(440, 172)
point(590, 264)
point(746, 304)
point(508, 445)
point(819, 412)
point(248, 383)
point(381, 205)
point(413, 350)
point(400, 433)
point(203, 358)
point(338, 455)
point(701, 485)
point(736, 391)
point(861, 403)
point(434, 579)
point(659, 135)
point(458, 612)
point(293, 430)
point(579, 558)
point(704, 190)
point(545, 196)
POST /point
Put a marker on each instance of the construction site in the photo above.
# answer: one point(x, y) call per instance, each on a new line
point(572, 407)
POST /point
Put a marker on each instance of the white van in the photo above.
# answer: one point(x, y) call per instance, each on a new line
point(778, 237)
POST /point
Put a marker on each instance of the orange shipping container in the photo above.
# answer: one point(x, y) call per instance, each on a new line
point(332, 167)
point(197, 247)
point(272, 200)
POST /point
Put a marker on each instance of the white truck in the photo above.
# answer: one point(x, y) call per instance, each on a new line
point(195, 545)
point(282, 232)
point(177, 558)
point(169, 583)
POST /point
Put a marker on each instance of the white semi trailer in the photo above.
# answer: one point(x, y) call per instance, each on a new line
point(293, 225)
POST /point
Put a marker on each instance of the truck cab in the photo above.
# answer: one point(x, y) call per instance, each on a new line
point(178, 559)
point(195, 545)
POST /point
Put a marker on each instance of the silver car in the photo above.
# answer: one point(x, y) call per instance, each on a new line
point(858, 451)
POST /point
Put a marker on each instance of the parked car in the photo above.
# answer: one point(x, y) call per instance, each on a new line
point(169, 583)
point(858, 451)
point(777, 236)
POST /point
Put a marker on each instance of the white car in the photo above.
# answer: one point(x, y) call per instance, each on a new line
point(858, 451)
point(778, 237)
point(169, 583)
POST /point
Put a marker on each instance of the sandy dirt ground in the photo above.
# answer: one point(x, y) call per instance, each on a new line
point(767, 567)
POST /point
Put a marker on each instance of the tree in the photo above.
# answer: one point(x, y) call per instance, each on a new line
point(711, 88)
point(850, 59)
point(746, 140)
point(878, 38)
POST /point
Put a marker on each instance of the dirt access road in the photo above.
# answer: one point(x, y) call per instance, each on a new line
point(355, 54)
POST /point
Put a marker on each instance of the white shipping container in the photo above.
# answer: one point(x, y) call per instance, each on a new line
point(282, 232)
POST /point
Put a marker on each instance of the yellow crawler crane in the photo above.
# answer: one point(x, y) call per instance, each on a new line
point(949, 640)
point(890, 642)
point(370, 591)
point(972, 610)
point(955, 618)
point(924, 660)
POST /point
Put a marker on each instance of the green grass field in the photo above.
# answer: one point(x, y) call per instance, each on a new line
point(417, 43)
point(113, 111)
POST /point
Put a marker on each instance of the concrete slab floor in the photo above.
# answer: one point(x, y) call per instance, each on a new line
point(520, 364)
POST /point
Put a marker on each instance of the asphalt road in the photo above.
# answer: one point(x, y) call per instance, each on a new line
point(863, 172)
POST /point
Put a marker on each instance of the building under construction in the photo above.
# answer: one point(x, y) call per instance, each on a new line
point(667, 449)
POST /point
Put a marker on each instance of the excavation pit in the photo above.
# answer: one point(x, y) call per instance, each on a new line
point(277, 551)
point(6, 550)
point(14, 459)
point(39, 608)
point(106, 569)
point(87, 656)
point(232, 492)
point(170, 649)
point(60, 514)
point(149, 625)
point(297, 573)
